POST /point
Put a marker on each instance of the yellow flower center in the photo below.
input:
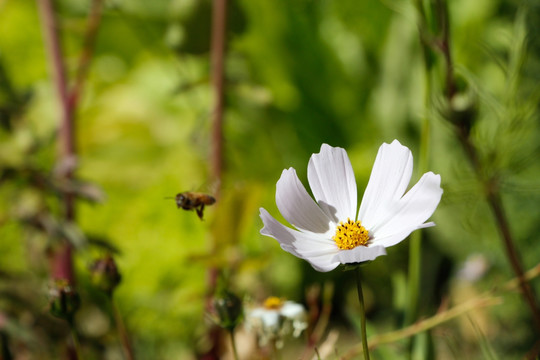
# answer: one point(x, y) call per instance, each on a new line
point(350, 235)
point(273, 303)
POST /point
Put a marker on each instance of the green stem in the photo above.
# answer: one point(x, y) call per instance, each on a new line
point(75, 338)
point(362, 315)
point(415, 256)
point(415, 248)
point(276, 352)
point(122, 332)
point(233, 343)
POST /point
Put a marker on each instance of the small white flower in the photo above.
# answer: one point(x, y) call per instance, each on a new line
point(329, 232)
point(474, 267)
point(276, 319)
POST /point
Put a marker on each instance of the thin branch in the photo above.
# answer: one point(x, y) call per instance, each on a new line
point(217, 55)
point(61, 259)
point(122, 331)
point(219, 26)
point(56, 63)
point(321, 316)
point(94, 19)
point(491, 191)
point(444, 21)
point(497, 208)
point(494, 201)
point(61, 262)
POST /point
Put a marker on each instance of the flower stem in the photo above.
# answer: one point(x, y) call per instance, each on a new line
point(362, 314)
point(233, 343)
point(75, 339)
point(217, 76)
point(415, 249)
point(122, 332)
point(415, 256)
point(61, 260)
point(276, 352)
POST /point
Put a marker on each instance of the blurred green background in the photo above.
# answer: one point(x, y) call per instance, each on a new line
point(299, 73)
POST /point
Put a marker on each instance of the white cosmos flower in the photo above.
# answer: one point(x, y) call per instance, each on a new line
point(276, 319)
point(329, 231)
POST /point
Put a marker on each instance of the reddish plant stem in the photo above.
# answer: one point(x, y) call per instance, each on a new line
point(219, 26)
point(217, 58)
point(56, 62)
point(122, 331)
point(492, 193)
point(495, 202)
point(318, 317)
point(61, 262)
point(61, 258)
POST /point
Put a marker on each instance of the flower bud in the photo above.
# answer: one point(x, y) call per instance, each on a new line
point(462, 108)
point(229, 309)
point(105, 275)
point(463, 111)
point(64, 300)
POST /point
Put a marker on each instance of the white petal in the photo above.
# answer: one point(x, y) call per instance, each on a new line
point(270, 319)
point(389, 179)
point(397, 237)
point(324, 263)
point(256, 313)
point(359, 254)
point(292, 310)
point(297, 207)
point(411, 212)
point(317, 250)
point(332, 182)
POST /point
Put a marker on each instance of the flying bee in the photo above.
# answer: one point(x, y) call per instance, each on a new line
point(194, 201)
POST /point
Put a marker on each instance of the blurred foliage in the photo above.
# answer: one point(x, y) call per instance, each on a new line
point(299, 73)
